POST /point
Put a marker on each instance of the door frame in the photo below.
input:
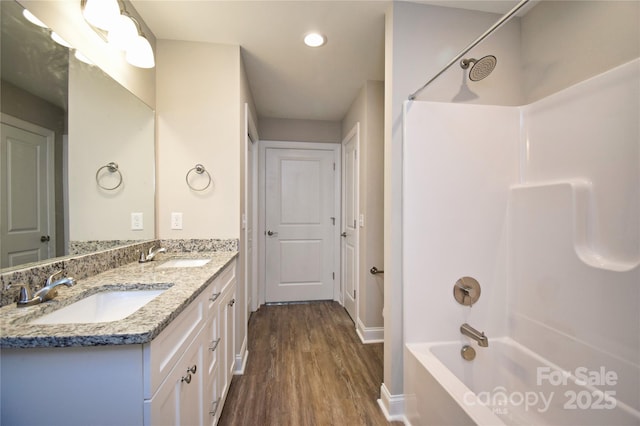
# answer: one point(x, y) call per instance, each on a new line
point(251, 193)
point(49, 135)
point(336, 148)
point(353, 133)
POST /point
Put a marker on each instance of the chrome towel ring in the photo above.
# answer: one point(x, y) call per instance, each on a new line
point(199, 169)
point(112, 168)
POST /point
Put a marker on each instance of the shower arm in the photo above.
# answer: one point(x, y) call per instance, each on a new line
point(473, 44)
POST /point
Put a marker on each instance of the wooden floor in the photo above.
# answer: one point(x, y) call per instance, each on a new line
point(306, 366)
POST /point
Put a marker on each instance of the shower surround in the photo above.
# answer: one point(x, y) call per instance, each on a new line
point(541, 204)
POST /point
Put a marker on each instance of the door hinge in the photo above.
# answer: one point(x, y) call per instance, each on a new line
point(354, 294)
point(333, 274)
point(334, 167)
point(333, 220)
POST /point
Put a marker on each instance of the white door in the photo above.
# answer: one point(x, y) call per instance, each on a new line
point(26, 228)
point(299, 224)
point(349, 247)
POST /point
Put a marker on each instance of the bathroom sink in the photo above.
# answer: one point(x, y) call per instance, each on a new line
point(184, 263)
point(101, 307)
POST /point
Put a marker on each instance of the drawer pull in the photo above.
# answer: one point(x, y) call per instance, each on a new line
point(214, 296)
point(214, 344)
point(192, 369)
point(214, 407)
point(233, 301)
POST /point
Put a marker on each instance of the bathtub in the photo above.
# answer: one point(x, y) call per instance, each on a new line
point(506, 384)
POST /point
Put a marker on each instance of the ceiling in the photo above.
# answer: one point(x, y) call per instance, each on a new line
point(288, 79)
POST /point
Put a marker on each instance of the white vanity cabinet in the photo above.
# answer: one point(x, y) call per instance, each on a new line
point(181, 377)
point(191, 389)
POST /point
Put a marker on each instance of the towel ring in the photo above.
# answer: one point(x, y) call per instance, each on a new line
point(113, 168)
point(199, 169)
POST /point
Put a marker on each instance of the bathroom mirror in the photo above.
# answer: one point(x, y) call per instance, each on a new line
point(63, 122)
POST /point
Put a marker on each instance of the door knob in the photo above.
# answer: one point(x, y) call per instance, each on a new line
point(45, 238)
point(344, 234)
point(271, 233)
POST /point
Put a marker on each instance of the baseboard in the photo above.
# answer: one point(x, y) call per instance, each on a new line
point(370, 334)
point(241, 359)
point(392, 406)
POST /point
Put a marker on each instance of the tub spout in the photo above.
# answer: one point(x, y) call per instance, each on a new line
point(476, 335)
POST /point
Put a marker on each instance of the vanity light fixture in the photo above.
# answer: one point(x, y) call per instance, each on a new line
point(100, 13)
point(31, 18)
point(121, 30)
point(314, 40)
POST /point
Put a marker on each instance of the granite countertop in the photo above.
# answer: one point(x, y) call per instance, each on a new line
point(183, 285)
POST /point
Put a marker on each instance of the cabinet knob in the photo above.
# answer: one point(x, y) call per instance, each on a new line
point(233, 302)
point(214, 296)
point(190, 370)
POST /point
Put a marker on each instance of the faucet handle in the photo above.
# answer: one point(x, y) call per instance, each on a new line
point(143, 257)
point(50, 279)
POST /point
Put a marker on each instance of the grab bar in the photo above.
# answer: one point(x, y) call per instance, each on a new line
point(375, 271)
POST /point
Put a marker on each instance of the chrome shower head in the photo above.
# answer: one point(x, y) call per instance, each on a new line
point(481, 67)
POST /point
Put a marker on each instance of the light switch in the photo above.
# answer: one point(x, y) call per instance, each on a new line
point(136, 221)
point(176, 220)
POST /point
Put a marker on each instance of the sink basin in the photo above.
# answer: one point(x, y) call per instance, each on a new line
point(101, 307)
point(184, 263)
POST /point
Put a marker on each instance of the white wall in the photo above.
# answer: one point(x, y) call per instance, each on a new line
point(283, 129)
point(198, 122)
point(565, 42)
point(367, 109)
point(420, 40)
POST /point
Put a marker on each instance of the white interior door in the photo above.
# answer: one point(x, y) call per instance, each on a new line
point(349, 246)
point(26, 176)
point(299, 224)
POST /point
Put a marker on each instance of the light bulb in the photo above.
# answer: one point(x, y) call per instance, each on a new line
point(314, 40)
point(79, 56)
point(123, 32)
point(140, 54)
point(31, 18)
point(62, 42)
point(101, 13)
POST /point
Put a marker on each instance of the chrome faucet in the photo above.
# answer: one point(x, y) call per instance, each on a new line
point(151, 254)
point(476, 335)
point(48, 292)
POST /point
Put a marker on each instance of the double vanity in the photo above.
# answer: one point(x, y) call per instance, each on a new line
point(141, 344)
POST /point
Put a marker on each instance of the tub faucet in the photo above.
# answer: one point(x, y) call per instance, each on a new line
point(152, 254)
point(476, 335)
point(48, 292)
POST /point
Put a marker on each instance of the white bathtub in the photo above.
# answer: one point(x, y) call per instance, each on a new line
point(506, 384)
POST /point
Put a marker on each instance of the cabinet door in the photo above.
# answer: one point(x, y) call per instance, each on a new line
point(227, 323)
point(179, 399)
point(212, 356)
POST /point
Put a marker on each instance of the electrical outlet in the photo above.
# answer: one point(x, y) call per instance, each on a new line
point(361, 220)
point(136, 221)
point(176, 220)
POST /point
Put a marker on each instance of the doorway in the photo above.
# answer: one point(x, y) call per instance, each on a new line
point(300, 201)
point(27, 219)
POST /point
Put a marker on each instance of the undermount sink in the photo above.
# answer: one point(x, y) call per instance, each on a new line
point(184, 263)
point(101, 307)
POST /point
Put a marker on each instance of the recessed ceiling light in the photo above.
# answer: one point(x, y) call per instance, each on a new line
point(314, 40)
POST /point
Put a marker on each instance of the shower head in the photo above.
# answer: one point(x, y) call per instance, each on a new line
point(481, 67)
